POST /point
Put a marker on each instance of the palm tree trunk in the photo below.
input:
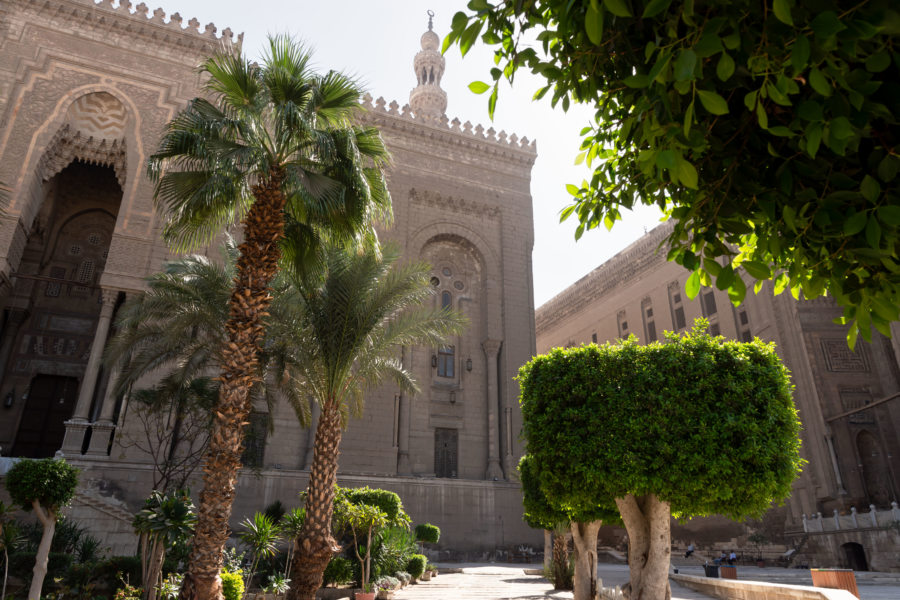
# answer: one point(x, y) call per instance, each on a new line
point(315, 545)
point(257, 265)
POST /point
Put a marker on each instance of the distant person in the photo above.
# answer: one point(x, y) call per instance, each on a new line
point(722, 557)
point(690, 550)
point(732, 558)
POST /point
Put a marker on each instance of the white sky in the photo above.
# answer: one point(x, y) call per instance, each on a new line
point(376, 40)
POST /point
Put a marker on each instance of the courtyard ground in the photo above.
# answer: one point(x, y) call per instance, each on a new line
point(497, 581)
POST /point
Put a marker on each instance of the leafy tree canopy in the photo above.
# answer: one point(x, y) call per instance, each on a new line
point(703, 423)
point(428, 533)
point(767, 130)
point(50, 481)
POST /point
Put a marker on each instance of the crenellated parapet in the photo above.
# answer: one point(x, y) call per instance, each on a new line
point(123, 20)
point(474, 137)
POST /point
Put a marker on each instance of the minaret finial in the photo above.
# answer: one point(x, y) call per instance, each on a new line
point(428, 101)
point(430, 18)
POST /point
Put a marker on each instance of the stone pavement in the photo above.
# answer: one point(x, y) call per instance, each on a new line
point(509, 582)
point(497, 581)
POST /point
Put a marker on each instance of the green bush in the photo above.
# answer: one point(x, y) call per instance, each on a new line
point(232, 585)
point(338, 571)
point(391, 549)
point(428, 533)
point(49, 481)
point(388, 502)
point(416, 565)
point(128, 566)
point(21, 564)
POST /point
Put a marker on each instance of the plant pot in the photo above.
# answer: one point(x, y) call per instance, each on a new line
point(364, 596)
point(426, 576)
point(385, 594)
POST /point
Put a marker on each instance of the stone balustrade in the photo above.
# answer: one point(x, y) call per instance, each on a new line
point(855, 520)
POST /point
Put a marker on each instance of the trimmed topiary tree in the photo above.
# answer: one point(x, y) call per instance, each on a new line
point(695, 426)
point(416, 565)
point(44, 486)
point(428, 533)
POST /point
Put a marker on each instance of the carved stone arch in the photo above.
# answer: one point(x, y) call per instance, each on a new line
point(98, 220)
point(94, 132)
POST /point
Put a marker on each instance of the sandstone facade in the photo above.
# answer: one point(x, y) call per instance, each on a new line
point(85, 91)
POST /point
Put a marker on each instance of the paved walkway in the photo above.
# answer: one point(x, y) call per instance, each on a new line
point(509, 582)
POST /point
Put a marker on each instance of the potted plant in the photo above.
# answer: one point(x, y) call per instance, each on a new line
point(416, 567)
point(758, 540)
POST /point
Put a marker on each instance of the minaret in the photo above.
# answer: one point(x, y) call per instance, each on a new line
point(428, 100)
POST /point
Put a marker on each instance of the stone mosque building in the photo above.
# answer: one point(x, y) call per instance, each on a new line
point(849, 402)
point(85, 90)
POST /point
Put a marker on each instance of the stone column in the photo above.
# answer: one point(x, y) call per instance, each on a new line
point(403, 466)
point(491, 349)
point(829, 439)
point(315, 411)
point(78, 424)
point(13, 323)
point(102, 429)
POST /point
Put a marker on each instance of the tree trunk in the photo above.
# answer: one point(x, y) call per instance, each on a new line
point(256, 266)
point(315, 545)
point(548, 549)
point(587, 586)
point(48, 520)
point(646, 520)
point(560, 561)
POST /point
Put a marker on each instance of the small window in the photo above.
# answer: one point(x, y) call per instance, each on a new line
point(594, 337)
point(649, 312)
point(255, 440)
point(458, 285)
point(679, 318)
point(651, 331)
point(624, 325)
point(435, 281)
point(746, 336)
point(446, 271)
point(714, 329)
point(446, 300)
point(85, 271)
point(709, 303)
point(94, 239)
point(445, 366)
point(676, 298)
point(743, 317)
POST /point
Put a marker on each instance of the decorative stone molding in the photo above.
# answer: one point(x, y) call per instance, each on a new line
point(120, 23)
point(458, 205)
point(638, 258)
point(68, 145)
point(510, 147)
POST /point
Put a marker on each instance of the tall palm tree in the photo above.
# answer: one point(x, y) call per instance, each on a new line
point(347, 326)
point(275, 148)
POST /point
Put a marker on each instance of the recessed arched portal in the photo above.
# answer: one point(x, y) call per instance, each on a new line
point(855, 556)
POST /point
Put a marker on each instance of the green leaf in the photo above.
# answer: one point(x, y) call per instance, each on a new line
point(688, 118)
point(566, 213)
point(725, 68)
point(782, 9)
point(827, 24)
point(810, 111)
point(593, 22)
point(637, 81)
point(573, 189)
point(819, 83)
point(684, 66)
point(756, 269)
point(692, 285)
point(687, 174)
point(781, 131)
point(873, 233)
point(813, 138)
point(878, 62)
point(667, 159)
point(737, 291)
point(761, 116)
point(870, 188)
point(800, 54)
point(725, 278)
point(492, 102)
point(479, 87)
point(713, 102)
point(889, 215)
point(840, 128)
point(855, 224)
point(654, 7)
point(618, 7)
point(888, 168)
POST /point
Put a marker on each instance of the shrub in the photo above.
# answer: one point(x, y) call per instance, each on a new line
point(387, 583)
point(416, 565)
point(388, 502)
point(403, 576)
point(428, 533)
point(232, 585)
point(114, 568)
point(128, 592)
point(391, 550)
point(338, 571)
point(49, 481)
point(21, 564)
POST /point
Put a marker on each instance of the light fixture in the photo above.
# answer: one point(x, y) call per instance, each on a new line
point(468, 364)
point(10, 398)
point(452, 397)
point(433, 361)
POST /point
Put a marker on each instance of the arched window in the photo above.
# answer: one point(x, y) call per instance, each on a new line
point(446, 301)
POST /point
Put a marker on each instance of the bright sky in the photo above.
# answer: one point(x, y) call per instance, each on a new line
point(376, 41)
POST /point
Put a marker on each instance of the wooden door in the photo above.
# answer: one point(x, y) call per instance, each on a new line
point(51, 401)
point(446, 444)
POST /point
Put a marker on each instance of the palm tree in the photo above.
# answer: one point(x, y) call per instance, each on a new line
point(347, 326)
point(276, 149)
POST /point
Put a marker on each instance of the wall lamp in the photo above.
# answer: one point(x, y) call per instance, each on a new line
point(433, 361)
point(468, 364)
point(10, 398)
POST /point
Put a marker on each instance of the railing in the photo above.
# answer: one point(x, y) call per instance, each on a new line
point(855, 520)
